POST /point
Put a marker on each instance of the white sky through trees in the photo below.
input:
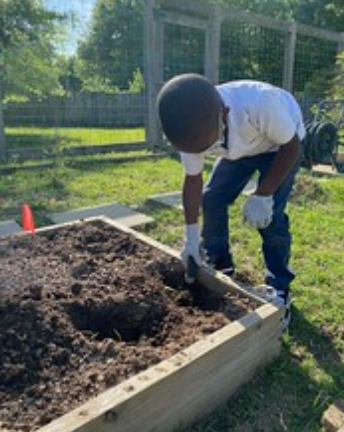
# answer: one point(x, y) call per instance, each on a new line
point(78, 13)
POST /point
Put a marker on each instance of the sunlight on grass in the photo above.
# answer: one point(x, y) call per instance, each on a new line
point(290, 394)
point(23, 137)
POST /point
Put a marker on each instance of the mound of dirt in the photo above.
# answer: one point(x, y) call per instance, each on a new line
point(83, 308)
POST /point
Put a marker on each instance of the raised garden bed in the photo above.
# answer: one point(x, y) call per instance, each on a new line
point(98, 332)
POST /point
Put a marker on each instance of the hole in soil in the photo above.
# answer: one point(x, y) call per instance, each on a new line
point(124, 319)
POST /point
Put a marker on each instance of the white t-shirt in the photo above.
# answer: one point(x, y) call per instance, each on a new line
point(261, 118)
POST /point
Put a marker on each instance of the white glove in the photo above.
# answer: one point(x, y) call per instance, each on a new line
point(191, 245)
point(258, 210)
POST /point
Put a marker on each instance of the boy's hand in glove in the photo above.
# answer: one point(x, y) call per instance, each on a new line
point(258, 211)
point(191, 246)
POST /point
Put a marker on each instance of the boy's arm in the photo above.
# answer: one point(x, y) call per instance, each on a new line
point(286, 157)
point(192, 197)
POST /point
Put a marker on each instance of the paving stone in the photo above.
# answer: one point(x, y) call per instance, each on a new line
point(174, 199)
point(118, 212)
point(9, 227)
point(329, 170)
point(171, 199)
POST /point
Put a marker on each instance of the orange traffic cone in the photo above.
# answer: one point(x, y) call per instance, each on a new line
point(28, 221)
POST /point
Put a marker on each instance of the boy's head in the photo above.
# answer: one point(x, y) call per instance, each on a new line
point(189, 108)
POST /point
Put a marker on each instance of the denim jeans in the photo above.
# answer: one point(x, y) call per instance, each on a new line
point(226, 182)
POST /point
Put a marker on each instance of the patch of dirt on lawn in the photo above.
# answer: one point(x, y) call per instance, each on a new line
point(83, 308)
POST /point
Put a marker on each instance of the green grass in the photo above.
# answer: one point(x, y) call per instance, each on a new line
point(40, 137)
point(290, 394)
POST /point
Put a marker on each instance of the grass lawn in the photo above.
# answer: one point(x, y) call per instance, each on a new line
point(39, 137)
point(292, 393)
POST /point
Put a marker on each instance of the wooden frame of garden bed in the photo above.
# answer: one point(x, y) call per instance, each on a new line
point(186, 386)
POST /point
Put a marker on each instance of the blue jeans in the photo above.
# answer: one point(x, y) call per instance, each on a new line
point(226, 182)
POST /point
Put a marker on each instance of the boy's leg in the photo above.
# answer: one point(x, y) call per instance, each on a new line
point(226, 181)
point(277, 237)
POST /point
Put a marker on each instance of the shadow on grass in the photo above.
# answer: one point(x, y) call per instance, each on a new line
point(19, 141)
point(321, 346)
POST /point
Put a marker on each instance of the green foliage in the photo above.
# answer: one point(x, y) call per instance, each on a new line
point(98, 84)
point(137, 85)
point(20, 18)
point(113, 48)
point(27, 50)
point(30, 71)
point(67, 74)
point(337, 89)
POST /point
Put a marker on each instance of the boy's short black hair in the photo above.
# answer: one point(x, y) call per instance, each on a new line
point(188, 106)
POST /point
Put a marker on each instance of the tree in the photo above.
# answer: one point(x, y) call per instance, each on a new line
point(337, 84)
point(68, 77)
point(113, 48)
point(320, 13)
point(26, 51)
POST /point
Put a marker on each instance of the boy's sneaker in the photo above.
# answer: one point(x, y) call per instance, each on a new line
point(279, 297)
point(284, 299)
point(224, 265)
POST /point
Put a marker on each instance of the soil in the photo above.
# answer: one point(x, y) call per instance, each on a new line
point(83, 308)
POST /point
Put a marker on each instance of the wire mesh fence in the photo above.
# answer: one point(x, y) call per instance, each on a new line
point(251, 52)
point(94, 78)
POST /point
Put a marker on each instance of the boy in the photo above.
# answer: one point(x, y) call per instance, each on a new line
point(252, 126)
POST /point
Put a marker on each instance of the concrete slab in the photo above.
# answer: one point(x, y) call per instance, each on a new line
point(121, 213)
point(9, 227)
point(174, 199)
point(326, 170)
point(171, 199)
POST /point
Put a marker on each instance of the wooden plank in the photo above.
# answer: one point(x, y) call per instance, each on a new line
point(189, 384)
point(195, 7)
point(152, 73)
point(183, 20)
point(319, 33)
point(289, 57)
point(333, 417)
point(213, 45)
point(251, 18)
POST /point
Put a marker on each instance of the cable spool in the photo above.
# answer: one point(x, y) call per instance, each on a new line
point(308, 144)
point(320, 143)
point(324, 143)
